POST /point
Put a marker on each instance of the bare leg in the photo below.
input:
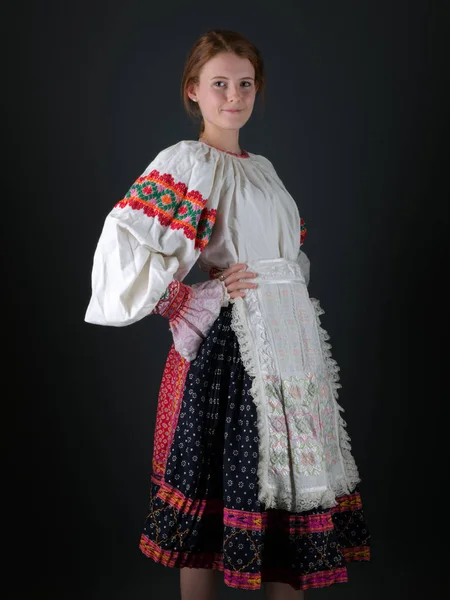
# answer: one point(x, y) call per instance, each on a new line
point(199, 584)
point(282, 591)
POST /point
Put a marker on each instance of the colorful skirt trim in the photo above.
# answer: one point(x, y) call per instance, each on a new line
point(204, 510)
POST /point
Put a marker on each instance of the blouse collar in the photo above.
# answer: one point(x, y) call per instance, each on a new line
point(243, 154)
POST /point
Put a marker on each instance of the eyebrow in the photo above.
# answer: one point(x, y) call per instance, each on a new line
point(223, 77)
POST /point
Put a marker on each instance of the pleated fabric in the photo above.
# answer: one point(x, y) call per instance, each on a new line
point(204, 510)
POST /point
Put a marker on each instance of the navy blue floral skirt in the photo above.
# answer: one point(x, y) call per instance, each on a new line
point(204, 510)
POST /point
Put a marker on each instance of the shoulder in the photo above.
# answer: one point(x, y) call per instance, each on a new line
point(180, 159)
point(263, 162)
point(183, 169)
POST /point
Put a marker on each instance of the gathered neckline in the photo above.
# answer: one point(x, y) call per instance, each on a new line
point(243, 154)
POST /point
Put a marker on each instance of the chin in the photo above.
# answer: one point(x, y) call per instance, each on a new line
point(233, 127)
point(240, 118)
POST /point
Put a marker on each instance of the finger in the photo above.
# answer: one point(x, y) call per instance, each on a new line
point(227, 272)
point(238, 270)
point(237, 267)
point(242, 275)
point(241, 285)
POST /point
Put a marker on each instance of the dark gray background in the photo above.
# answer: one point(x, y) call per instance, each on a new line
point(355, 122)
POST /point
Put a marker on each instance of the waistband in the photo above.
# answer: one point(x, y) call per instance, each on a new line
point(269, 270)
point(276, 270)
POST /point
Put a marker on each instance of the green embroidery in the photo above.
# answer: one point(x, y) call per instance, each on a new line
point(159, 196)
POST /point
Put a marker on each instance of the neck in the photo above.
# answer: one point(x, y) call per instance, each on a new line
point(222, 139)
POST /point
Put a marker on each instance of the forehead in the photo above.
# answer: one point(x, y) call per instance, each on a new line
point(228, 65)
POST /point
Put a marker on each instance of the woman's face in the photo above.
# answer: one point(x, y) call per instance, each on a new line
point(226, 91)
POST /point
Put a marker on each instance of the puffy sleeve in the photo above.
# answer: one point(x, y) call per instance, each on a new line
point(153, 236)
point(302, 258)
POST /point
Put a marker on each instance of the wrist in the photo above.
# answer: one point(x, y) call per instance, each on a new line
point(226, 296)
point(173, 303)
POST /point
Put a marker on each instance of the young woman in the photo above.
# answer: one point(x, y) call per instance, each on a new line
point(252, 470)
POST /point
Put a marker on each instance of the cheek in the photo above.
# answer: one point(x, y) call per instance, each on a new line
point(215, 99)
point(249, 96)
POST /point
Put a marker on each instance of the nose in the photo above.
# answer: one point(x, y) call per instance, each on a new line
point(233, 93)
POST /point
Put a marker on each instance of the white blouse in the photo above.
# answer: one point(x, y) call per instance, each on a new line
point(192, 203)
point(197, 203)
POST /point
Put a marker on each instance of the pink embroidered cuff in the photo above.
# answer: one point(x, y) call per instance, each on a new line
point(191, 311)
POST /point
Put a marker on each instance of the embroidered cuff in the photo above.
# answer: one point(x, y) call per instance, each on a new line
point(173, 300)
point(191, 311)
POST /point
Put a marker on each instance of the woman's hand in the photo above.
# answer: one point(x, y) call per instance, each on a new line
point(232, 279)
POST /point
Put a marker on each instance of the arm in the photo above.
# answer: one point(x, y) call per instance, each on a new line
point(191, 311)
point(150, 240)
point(152, 236)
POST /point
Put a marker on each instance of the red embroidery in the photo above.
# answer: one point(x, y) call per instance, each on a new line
point(174, 302)
point(159, 196)
point(243, 154)
point(303, 231)
point(247, 522)
point(169, 403)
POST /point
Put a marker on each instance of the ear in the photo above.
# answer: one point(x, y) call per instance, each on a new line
point(192, 91)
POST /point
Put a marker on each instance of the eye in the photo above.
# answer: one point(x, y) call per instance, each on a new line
point(249, 83)
point(218, 82)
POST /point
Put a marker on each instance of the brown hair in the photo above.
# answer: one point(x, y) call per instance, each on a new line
point(206, 47)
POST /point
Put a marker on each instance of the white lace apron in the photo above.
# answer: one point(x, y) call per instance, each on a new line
point(305, 458)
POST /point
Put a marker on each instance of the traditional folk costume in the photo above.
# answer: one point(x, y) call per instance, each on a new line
point(252, 466)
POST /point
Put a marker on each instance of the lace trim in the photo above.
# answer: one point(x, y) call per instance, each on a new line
point(351, 470)
point(249, 358)
point(282, 496)
point(226, 296)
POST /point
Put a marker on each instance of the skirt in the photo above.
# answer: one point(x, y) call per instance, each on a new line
point(204, 510)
